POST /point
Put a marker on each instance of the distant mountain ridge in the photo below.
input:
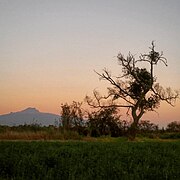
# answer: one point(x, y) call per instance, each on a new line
point(29, 116)
point(30, 110)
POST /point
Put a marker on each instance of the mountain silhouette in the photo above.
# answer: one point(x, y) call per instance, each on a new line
point(30, 110)
point(29, 116)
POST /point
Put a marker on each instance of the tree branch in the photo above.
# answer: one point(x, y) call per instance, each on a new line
point(166, 95)
point(107, 76)
point(98, 103)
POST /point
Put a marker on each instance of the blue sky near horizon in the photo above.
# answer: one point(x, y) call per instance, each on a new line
point(49, 49)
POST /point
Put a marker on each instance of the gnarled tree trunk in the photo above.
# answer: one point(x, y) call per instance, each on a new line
point(134, 126)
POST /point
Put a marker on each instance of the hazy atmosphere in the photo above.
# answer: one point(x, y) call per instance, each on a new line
point(50, 49)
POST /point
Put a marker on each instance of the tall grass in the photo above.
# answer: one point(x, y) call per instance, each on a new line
point(90, 160)
point(37, 133)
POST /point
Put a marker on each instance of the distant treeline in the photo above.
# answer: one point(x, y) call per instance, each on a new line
point(75, 124)
point(108, 122)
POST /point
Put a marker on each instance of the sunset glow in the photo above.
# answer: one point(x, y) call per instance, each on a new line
point(50, 49)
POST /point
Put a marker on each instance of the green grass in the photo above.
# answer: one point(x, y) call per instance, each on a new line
point(115, 159)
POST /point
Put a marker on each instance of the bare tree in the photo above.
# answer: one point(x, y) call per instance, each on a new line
point(136, 88)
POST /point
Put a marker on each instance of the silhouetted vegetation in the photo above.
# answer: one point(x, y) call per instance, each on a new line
point(172, 131)
point(173, 127)
point(104, 122)
point(135, 89)
point(71, 115)
point(72, 118)
point(76, 124)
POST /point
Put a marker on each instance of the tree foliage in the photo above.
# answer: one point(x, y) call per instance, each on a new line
point(104, 122)
point(147, 126)
point(72, 116)
point(173, 127)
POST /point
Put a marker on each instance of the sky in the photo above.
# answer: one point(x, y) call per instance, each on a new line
point(49, 49)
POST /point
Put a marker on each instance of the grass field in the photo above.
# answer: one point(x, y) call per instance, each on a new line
point(117, 159)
